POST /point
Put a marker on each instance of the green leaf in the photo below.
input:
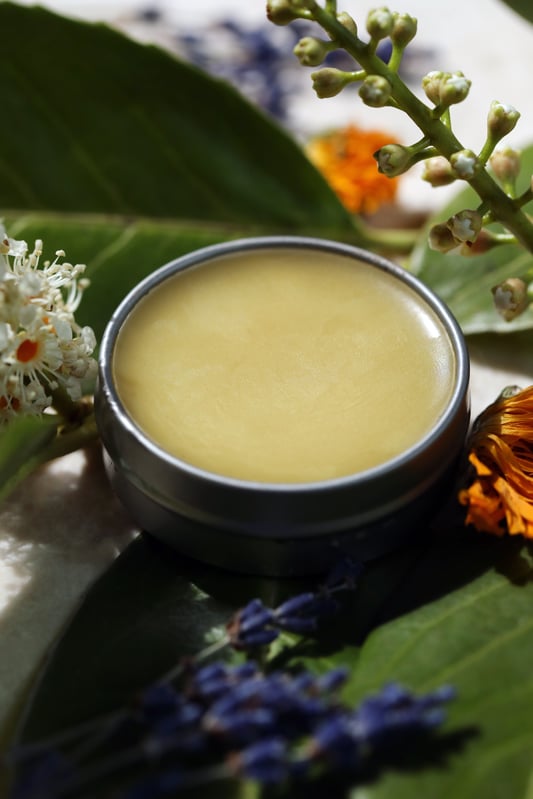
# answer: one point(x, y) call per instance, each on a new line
point(522, 7)
point(106, 125)
point(465, 283)
point(158, 608)
point(130, 159)
point(22, 443)
point(452, 609)
point(480, 639)
point(118, 252)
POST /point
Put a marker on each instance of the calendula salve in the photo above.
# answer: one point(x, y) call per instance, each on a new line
point(269, 403)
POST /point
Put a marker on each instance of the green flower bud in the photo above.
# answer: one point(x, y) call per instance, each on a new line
point(283, 12)
point(453, 88)
point(505, 164)
point(375, 91)
point(431, 84)
point(441, 238)
point(511, 298)
point(465, 226)
point(403, 29)
point(311, 51)
point(502, 119)
point(393, 160)
point(438, 172)
point(329, 81)
point(347, 22)
point(464, 163)
point(379, 23)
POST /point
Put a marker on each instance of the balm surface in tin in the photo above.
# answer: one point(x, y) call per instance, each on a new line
point(268, 404)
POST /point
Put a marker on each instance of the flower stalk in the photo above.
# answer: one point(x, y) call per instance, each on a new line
point(434, 123)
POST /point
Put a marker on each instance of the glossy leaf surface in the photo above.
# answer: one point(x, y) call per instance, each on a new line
point(135, 131)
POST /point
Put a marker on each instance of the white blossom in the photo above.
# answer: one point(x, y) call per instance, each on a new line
point(42, 347)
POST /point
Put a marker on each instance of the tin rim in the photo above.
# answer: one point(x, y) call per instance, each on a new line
point(120, 432)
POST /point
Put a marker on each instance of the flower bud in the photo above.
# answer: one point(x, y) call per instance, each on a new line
point(282, 12)
point(347, 22)
point(438, 172)
point(403, 29)
point(465, 226)
point(441, 238)
point(329, 81)
point(511, 298)
point(464, 163)
point(502, 119)
point(375, 91)
point(431, 85)
point(311, 51)
point(393, 159)
point(505, 164)
point(379, 23)
point(453, 88)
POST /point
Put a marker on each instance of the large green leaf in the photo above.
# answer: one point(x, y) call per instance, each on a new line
point(465, 283)
point(522, 7)
point(110, 148)
point(94, 122)
point(452, 609)
point(22, 443)
point(118, 252)
point(480, 639)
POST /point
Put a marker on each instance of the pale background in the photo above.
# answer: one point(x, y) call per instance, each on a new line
point(63, 526)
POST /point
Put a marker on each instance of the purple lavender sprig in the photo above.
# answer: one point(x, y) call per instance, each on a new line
point(256, 625)
point(219, 721)
point(236, 721)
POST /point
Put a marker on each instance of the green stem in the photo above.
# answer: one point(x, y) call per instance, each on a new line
point(396, 57)
point(397, 242)
point(69, 439)
point(70, 410)
point(504, 209)
point(525, 198)
point(487, 149)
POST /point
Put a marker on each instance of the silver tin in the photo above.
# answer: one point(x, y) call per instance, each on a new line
point(279, 529)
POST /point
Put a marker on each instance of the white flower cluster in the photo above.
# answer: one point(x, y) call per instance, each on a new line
point(41, 346)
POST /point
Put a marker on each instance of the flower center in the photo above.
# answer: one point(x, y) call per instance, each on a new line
point(27, 350)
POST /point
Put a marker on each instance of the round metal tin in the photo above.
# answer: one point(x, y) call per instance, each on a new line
point(280, 529)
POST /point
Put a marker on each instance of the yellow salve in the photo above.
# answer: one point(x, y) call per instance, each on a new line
point(284, 366)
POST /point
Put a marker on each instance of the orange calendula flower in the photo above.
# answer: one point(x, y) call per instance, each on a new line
point(346, 159)
point(500, 498)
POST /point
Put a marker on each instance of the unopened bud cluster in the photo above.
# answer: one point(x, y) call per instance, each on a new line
point(393, 159)
point(459, 232)
point(511, 298)
point(375, 91)
point(381, 23)
point(501, 120)
point(446, 160)
point(446, 88)
point(283, 12)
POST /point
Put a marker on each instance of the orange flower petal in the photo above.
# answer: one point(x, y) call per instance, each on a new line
point(500, 497)
point(346, 159)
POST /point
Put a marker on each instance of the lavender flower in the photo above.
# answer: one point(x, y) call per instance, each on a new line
point(256, 625)
point(236, 720)
point(266, 761)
